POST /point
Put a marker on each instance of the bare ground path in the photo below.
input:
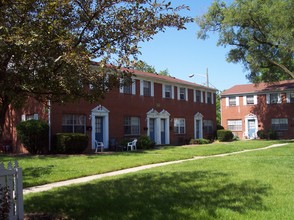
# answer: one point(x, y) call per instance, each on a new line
point(131, 170)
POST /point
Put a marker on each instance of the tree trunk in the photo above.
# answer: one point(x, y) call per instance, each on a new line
point(4, 105)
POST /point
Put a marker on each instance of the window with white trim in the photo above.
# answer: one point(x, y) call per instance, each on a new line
point(198, 96)
point(235, 125)
point(279, 124)
point(250, 100)
point(132, 126)
point(232, 101)
point(73, 123)
point(167, 91)
point(291, 97)
point(179, 126)
point(209, 98)
point(182, 93)
point(146, 88)
point(208, 127)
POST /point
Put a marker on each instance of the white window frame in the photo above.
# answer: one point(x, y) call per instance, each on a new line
point(290, 95)
point(134, 125)
point(151, 88)
point(269, 101)
point(235, 125)
point(280, 124)
point(179, 126)
point(236, 100)
point(76, 120)
point(195, 96)
point(185, 93)
point(132, 87)
point(164, 91)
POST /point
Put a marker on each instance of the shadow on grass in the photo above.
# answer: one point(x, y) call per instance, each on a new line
point(168, 195)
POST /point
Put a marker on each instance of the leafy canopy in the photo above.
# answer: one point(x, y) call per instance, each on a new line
point(261, 33)
point(46, 46)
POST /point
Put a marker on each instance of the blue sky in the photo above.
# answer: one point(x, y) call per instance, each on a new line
point(183, 54)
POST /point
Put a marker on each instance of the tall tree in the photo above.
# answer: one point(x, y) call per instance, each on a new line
point(144, 67)
point(261, 33)
point(46, 45)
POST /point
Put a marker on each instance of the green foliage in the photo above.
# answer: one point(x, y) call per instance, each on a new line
point(262, 134)
point(71, 34)
point(144, 142)
point(225, 135)
point(270, 134)
point(200, 141)
point(4, 202)
point(71, 143)
point(219, 127)
point(144, 67)
point(34, 135)
point(260, 33)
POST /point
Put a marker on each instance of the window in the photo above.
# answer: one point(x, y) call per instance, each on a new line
point(235, 125)
point(208, 127)
point(29, 117)
point(167, 91)
point(179, 126)
point(182, 94)
point(291, 97)
point(146, 88)
point(250, 99)
point(198, 96)
point(279, 124)
point(72, 123)
point(274, 98)
point(132, 125)
point(209, 98)
point(232, 101)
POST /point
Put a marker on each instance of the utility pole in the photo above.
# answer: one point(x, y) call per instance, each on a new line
point(207, 79)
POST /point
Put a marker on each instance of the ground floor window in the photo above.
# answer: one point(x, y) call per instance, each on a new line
point(279, 124)
point(179, 126)
point(132, 126)
point(208, 127)
point(235, 125)
point(73, 123)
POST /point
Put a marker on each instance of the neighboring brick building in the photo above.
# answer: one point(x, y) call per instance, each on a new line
point(168, 110)
point(245, 109)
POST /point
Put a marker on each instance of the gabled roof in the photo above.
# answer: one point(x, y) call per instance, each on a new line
point(163, 79)
point(167, 79)
point(260, 88)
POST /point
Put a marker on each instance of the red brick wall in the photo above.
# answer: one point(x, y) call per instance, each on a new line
point(264, 112)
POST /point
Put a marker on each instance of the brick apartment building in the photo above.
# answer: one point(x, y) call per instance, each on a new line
point(245, 109)
point(168, 110)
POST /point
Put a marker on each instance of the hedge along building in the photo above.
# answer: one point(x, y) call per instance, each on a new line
point(164, 108)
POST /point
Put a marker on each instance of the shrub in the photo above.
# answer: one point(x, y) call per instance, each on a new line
point(70, 143)
point(262, 134)
point(224, 135)
point(219, 127)
point(4, 202)
point(34, 135)
point(144, 142)
point(199, 141)
point(272, 135)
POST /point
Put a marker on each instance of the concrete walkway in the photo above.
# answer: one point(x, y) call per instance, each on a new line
point(131, 170)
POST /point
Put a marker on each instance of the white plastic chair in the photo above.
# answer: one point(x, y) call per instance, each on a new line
point(132, 145)
point(99, 145)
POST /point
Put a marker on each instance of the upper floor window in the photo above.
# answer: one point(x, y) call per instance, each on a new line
point(279, 124)
point(208, 98)
point(128, 87)
point(273, 98)
point(132, 125)
point(290, 97)
point(235, 125)
point(232, 101)
point(250, 99)
point(182, 93)
point(73, 123)
point(198, 94)
point(168, 91)
point(179, 126)
point(146, 88)
point(29, 117)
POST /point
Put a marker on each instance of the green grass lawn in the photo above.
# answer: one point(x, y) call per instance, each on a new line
point(252, 185)
point(38, 170)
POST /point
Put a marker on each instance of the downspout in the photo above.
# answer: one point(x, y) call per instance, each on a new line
point(49, 124)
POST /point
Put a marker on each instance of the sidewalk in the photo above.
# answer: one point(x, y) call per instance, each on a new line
point(49, 186)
